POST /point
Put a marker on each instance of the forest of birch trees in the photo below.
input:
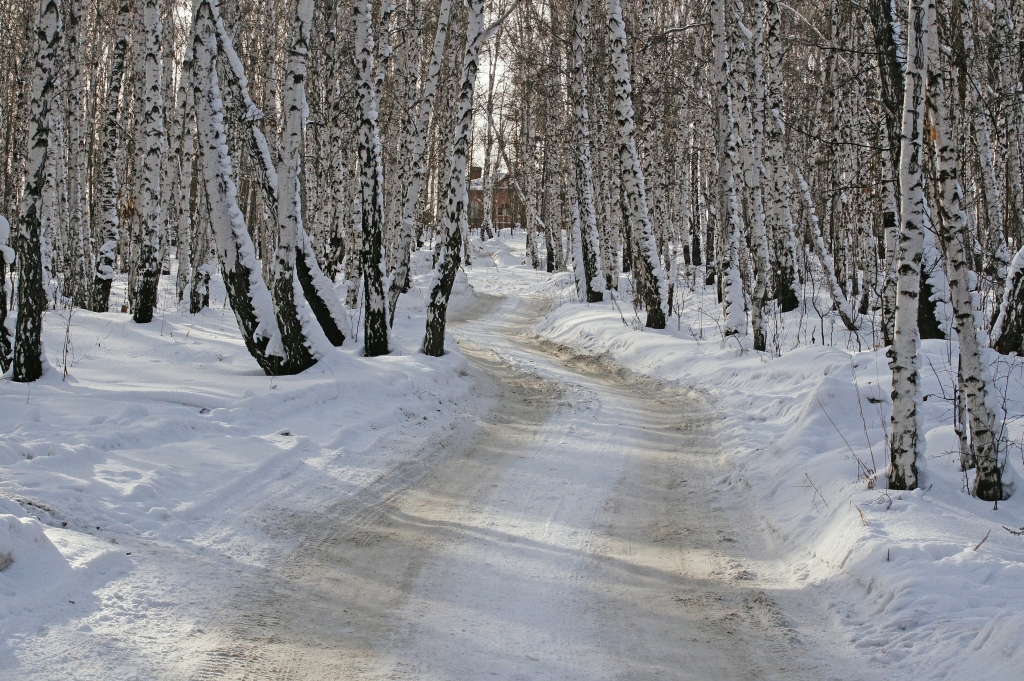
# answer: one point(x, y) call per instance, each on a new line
point(858, 164)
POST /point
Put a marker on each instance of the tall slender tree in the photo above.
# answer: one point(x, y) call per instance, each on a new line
point(6, 259)
point(592, 286)
point(655, 284)
point(449, 259)
point(417, 154)
point(906, 446)
point(976, 380)
point(28, 344)
point(289, 205)
point(151, 147)
point(108, 181)
point(375, 303)
point(247, 292)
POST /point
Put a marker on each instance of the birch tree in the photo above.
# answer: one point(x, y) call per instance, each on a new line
point(776, 166)
point(655, 286)
point(418, 147)
point(592, 286)
point(892, 82)
point(375, 314)
point(753, 117)
point(247, 292)
point(975, 377)
point(111, 151)
point(28, 344)
point(450, 234)
point(76, 154)
point(151, 147)
point(906, 446)
point(487, 176)
point(289, 205)
point(731, 285)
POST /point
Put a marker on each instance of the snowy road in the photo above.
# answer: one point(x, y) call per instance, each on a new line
point(576, 534)
point(512, 510)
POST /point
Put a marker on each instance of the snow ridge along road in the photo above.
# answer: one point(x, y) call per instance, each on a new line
point(574, 534)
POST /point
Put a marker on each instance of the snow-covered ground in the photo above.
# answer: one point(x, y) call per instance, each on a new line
point(927, 583)
point(134, 490)
point(174, 513)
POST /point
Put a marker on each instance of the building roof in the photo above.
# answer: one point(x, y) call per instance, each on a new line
point(477, 185)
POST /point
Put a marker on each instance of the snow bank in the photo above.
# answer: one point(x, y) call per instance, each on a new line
point(166, 447)
point(52, 574)
point(7, 541)
point(803, 435)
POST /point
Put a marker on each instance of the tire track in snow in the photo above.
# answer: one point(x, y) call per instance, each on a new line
point(573, 533)
point(329, 608)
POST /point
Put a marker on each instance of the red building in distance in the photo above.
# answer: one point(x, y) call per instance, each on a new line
point(508, 210)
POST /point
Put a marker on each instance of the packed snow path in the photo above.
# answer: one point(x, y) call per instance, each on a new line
point(576, 534)
point(510, 510)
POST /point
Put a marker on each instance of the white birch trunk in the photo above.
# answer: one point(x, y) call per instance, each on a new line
point(289, 197)
point(28, 345)
point(150, 146)
point(384, 48)
point(906, 444)
point(417, 153)
point(451, 235)
point(753, 162)
point(728, 158)
point(1007, 68)
point(247, 292)
point(779, 195)
point(610, 216)
point(976, 380)
point(336, 175)
point(585, 212)
point(891, 233)
point(486, 177)
point(534, 226)
point(354, 240)
point(6, 259)
point(77, 157)
point(111, 151)
point(183, 197)
point(375, 303)
point(170, 165)
point(655, 284)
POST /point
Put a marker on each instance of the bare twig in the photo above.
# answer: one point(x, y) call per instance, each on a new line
point(493, 28)
point(68, 348)
point(616, 304)
point(835, 426)
point(817, 491)
point(862, 467)
point(863, 420)
point(983, 540)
